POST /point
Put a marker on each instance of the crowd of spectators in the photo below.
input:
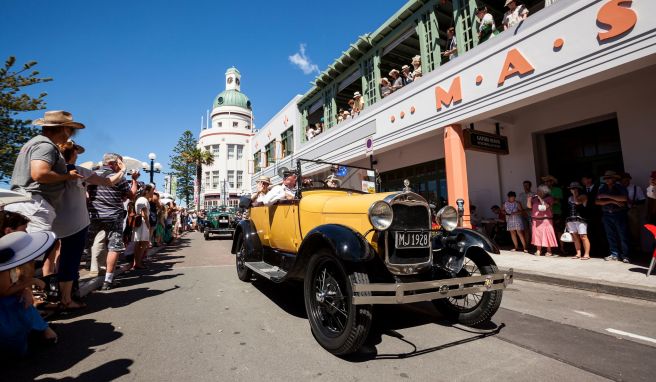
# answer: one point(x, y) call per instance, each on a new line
point(56, 212)
point(607, 217)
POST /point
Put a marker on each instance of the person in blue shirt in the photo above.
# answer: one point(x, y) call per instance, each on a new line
point(613, 199)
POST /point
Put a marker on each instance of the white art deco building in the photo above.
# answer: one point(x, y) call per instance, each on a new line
point(228, 137)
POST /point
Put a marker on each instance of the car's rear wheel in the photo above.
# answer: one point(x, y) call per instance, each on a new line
point(243, 272)
point(339, 326)
point(476, 308)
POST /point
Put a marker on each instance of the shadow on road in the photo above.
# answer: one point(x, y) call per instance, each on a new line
point(388, 320)
point(77, 341)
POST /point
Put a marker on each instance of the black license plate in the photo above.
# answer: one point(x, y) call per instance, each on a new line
point(412, 239)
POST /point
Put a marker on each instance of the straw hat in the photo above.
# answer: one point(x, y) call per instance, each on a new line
point(18, 248)
point(71, 143)
point(58, 118)
point(508, 2)
point(264, 179)
point(357, 95)
point(549, 178)
point(394, 71)
point(611, 174)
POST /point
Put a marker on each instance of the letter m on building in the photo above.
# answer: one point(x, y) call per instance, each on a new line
point(452, 96)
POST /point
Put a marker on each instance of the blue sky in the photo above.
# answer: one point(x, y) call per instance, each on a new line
point(139, 73)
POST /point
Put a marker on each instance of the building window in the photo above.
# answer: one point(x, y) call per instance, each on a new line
point(215, 150)
point(219, 124)
point(287, 142)
point(270, 153)
point(215, 179)
point(240, 152)
point(231, 151)
point(235, 124)
point(207, 180)
point(256, 162)
point(231, 178)
point(240, 178)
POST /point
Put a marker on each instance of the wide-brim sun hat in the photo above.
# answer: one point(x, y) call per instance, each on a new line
point(394, 71)
point(9, 197)
point(404, 67)
point(549, 178)
point(357, 94)
point(508, 2)
point(575, 185)
point(58, 118)
point(18, 248)
point(264, 179)
point(611, 174)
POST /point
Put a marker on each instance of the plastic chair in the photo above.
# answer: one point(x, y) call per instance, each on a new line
point(652, 228)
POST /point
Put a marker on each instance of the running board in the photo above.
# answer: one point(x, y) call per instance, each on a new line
point(267, 270)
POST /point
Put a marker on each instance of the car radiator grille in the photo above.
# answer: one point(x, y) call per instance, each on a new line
point(407, 218)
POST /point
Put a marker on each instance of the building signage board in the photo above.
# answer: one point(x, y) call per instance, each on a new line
point(485, 142)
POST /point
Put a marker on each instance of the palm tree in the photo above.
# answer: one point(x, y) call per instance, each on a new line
point(198, 157)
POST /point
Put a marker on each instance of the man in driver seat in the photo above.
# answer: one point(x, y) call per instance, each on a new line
point(333, 182)
point(284, 191)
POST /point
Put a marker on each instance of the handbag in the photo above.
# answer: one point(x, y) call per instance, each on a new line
point(566, 237)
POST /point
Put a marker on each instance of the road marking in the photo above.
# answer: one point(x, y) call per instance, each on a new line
point(627, 334)
point(585, 313)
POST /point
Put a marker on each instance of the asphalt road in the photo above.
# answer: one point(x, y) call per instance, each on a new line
point(189, 318)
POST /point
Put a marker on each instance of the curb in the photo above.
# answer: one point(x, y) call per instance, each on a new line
point(617, 289)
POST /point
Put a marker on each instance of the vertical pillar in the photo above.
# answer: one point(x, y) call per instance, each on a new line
point(456, 169)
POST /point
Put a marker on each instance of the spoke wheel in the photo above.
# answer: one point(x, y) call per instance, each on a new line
point(243, 272)
point(475, 308)
point(338, 325)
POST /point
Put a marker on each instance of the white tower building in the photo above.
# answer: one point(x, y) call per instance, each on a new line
point(228, 137)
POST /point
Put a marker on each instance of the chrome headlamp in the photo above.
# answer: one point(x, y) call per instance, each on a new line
point(447, 218)
point(381, 215)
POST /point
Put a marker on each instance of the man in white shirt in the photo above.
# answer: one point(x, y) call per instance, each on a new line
point(284, 191)
point(637, 204)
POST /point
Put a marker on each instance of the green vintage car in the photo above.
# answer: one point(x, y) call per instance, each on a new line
point(220, 221)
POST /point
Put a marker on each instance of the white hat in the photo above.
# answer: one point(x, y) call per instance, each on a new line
point(356, 95)
point(18, 248)
point(8, 197)
point(404, 67)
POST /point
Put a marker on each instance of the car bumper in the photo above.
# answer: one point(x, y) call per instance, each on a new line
point(405, 293)
point(220, 230)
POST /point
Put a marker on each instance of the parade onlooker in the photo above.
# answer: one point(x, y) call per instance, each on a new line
point(72, 222)
point(18, 317)
point(514, 15)
point(385, 87)
point(577, 223)
point(486, 29)
point(557, 194)
point(406, 75)
point(527, 192)
point(141, 226)
point(107, 213)
point(543, 234)
point(451, 50)
point(514, 221)
point(40, 172)
point(153, 203)
point(161, 224)
point(397, 80)
point(263, 184)
point(651, 199)
point(613, 200)
point(416, 64)
point(637, 205)
point(359, 102)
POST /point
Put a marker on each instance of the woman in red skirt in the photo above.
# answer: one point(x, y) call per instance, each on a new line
point(542, 219)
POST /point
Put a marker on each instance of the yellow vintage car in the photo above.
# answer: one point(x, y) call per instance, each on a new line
point(354, 247)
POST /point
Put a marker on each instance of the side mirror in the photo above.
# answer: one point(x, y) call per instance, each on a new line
point(245, 202)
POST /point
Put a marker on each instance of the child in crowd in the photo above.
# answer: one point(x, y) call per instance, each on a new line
point(514, 221)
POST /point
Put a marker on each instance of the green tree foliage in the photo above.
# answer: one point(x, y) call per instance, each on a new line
point(15, 131)
point(199, 157)
point(184, 170)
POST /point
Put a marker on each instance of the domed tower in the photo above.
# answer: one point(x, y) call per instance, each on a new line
point(228, 138)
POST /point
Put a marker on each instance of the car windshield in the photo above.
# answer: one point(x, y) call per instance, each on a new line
point(333, 175)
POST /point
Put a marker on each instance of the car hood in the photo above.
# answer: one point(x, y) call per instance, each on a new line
point(339, 202)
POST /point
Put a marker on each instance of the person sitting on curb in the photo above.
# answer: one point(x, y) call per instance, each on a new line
point(284, 191)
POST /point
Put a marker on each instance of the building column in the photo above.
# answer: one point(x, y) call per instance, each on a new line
point(456, 169)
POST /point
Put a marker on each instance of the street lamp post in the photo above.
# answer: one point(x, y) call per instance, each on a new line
point(155, 168)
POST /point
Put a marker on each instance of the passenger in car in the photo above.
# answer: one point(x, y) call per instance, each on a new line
point(284, 191)
point(263, 184)
point(333, 182)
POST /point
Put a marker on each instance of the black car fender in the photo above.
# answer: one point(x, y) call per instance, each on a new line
point(345, 243)
point(246, 229)
point(460, 242)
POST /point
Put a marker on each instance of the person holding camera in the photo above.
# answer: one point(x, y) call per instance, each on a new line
point(107, 212)
point(543, 234)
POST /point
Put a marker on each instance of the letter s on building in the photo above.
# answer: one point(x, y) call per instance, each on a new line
point(617, 19)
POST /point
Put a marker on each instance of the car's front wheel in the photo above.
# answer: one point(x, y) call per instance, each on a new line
point(476, 308)
point(243, 272)
point(206, 234)
point(339, 326)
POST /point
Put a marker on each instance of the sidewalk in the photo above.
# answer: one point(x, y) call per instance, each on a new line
point(596, 275)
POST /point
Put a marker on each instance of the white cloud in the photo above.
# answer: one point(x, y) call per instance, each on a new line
point(303, 62)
